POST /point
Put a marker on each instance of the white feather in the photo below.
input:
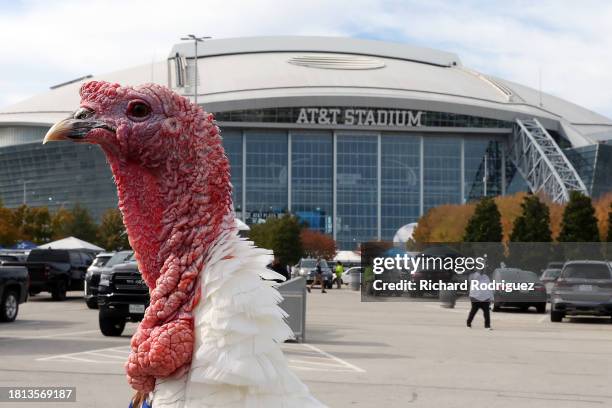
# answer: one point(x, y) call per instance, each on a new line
point(237, 360)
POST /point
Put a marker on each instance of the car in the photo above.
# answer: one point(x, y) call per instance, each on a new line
point(13, 291)
point(548, 278)
point(583, 288)
point(56, 270)
point(307, 268)
point(8, 258)
point(103, 263)
point(123, 297)
point(346, 275)
point(522, 299)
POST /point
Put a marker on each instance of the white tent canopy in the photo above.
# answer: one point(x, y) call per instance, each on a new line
point(71, 243)
point(348, 257)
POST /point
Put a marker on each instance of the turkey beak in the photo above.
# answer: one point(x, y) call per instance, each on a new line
point(74, 129)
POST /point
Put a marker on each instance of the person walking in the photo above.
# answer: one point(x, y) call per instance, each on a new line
point(318, 278)
point(481, 298)
point(339, 271)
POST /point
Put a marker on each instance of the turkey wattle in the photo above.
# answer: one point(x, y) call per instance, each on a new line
point(210, 337)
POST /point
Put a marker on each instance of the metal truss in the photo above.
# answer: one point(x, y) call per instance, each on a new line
point(542, 163)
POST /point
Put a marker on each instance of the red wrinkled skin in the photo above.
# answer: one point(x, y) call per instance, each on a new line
point(172, 178)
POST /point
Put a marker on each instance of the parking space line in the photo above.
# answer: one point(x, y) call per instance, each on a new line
point(300, 357)
point(337, 359)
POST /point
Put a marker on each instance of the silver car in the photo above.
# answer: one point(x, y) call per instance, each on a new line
point(583, 288)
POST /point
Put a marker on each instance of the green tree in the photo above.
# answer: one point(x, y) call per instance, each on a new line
point(37, 225)
point(579, 223)
point(76, 223)
point(533, 225)
point(485, 223)
point(83, 225)
point(281, 235)
point(32, 223)
point(111, 233)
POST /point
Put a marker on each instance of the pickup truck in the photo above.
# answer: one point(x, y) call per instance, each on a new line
point(55, 270)
point(122, 297)
point(13, 291)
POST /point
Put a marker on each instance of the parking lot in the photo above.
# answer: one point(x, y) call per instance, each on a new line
point(357, 354)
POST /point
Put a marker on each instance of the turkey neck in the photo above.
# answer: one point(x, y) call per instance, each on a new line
point(176, 211)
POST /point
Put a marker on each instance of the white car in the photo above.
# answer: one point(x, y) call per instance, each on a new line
point(346, 275)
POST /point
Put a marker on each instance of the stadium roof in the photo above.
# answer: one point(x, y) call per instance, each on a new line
point(260, 72)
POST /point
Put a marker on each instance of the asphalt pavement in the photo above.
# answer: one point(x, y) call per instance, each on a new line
point(390, 354)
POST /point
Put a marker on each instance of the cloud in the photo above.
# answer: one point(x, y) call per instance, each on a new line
point(51, 42)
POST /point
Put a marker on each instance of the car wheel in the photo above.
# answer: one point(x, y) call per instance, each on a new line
point(92, 302)
point(111, 326)
point(541, 308)
point(556, 316)
point(9, 307)
point(496, 307)
point(59, 290)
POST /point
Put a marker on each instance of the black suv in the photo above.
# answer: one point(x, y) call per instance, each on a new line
point(123, 297)
point(56, 270)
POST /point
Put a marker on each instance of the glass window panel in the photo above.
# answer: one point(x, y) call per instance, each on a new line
point(232, 143)
point(356, 189)
point(400, 185)
point(266, 174)
point(311, 178)
point(442, 171)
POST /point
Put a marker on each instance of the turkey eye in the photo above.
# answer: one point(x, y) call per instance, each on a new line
point(83, 113)
point(138, 109)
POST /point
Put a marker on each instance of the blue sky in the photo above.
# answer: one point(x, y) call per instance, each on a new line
point(570, 43)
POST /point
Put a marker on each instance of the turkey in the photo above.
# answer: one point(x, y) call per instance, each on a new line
point(210, 337)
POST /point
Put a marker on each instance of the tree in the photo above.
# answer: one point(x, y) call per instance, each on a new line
point(485, 225)
point(83, 225)
point(76, 223)
point(61, 223)
point(32, 223)
point(111, 233)
point(281, 235)
point(9, 233)
point(317, 244)
point(609, 235)
point(579, 223)
point(533, 225)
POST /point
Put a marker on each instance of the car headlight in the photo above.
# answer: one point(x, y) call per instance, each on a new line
point(302, 271)
point(104, 279)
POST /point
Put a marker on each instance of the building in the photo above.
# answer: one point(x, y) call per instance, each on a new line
point(356, 137)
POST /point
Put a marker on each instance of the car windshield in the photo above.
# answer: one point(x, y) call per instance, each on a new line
point(48, 255)
point(587, 271)
point(551, 273)
point(312, 263)
point(101, 260)
point(118, 258)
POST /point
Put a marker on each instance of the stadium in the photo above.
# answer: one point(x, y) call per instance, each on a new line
point(356, 137)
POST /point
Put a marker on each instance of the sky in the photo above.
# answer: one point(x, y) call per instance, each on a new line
point(564, 47)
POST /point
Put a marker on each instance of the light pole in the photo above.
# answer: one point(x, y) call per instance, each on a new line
point(196, 40)
point(25, 190)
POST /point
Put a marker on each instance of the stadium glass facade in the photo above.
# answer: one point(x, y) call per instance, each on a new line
point(359, 185)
